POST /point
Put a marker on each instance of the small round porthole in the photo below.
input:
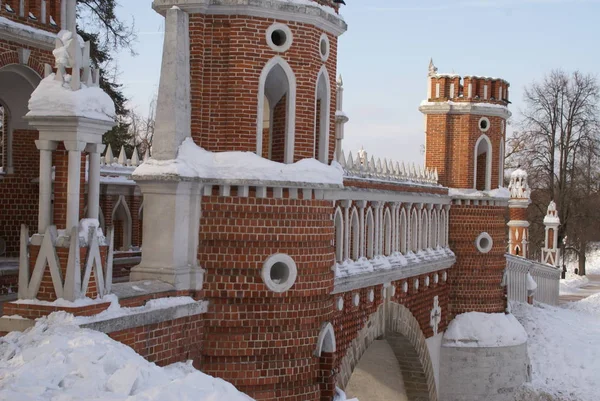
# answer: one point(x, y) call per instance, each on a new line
point(279, 272)
point(484, 124)
point(324, 47)
point(484, 243)
point(279, 37)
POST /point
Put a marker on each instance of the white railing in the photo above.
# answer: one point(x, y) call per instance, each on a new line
point(109, 160)
point(546, 277)
point(360, 166)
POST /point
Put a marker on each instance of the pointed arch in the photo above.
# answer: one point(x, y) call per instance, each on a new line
point(414, 231)
point(387, 232)
point(482, 164)
point(425, 229)
point(354, 235)
point(403, 227)
point(322, 115)
point(369, 233)
point(121, 218)
point(442, 228)
point(434, 235)
point(326, 340)
point(277, 83)
point(339, 235)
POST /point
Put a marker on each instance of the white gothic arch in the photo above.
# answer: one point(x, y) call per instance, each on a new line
point(414, 231)
point(323, 93)
point(434, 226)
point(403, 227)
point(369, 234)
point(290, 130)
point(354, 236)
point(339, 235)
point(482, 145)
point(326, 340)
point(387, 232)
point(121, 207)
point(424, 229)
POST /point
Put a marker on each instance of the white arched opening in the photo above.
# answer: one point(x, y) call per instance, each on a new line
point(443, 225)
point(402, 230)
point(387, 232)
point(434, 236)
point(17, 83)
point(482, 176)
point(326, 340)
point(277, 84)
point(425, 230)
point(339, 235)
point(414, 231)
point(501, 164)
point(369, 233)
point(322, 117)
point(354, 235)
point(121, 218)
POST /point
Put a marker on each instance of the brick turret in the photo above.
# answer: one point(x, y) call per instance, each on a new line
point(465, 129)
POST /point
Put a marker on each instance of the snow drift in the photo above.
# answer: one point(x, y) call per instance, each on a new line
point(56, 360)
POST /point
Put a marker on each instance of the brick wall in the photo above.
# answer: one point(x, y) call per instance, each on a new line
point(228, 54)
point(34, 7)
point(261, 341)
point(476, 277)
point(451, 143)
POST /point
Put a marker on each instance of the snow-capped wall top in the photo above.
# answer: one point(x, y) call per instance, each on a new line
point(518, 187)
point(195, 162)
point(476, 329)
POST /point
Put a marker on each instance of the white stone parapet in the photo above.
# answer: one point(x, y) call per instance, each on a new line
point(546, 276)
point(360, 166)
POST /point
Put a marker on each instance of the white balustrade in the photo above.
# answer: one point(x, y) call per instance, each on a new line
point(547, 278)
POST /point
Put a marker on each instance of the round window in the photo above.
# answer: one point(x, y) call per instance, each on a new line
point(279, 272)
point(484, 243)
point(279, 37)
point(484, 124)
point(324, 47)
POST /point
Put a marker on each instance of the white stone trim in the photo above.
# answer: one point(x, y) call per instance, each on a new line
point(338, 221)
point(354, 237)
point(127, 223)
point(322, 154)
point(28, 36)
point(484, 242)
point(326, 340)
point(387, 233)
point(481, 109)
point(340, 304)
point(488, 124)
point(291, 107)
point(356, 299)
point(370, 234)
point(292, 272)
point(501, 156)
point(488, 162)
point(288, 35)
point(324, 39)
point(270, 9)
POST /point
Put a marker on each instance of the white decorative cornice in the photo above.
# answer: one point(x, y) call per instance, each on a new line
point(26, 35)
point(275, 9)
point(480, 109)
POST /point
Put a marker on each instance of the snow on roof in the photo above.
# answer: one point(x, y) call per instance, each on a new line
point(195, 162)
point(476, 329)
point(475, 104)
point(502, 193)
point(53, 98)
point(56, 359)
point(50, 36)
point(328, 9)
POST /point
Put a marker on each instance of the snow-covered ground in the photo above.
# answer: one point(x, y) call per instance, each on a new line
point(572, 283)
point(564, 348)
point(56, 360)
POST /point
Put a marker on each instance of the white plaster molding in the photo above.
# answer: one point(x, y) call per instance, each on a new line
point(326, 340)
point(286, 267)
point(482, 109)
point(324, 42)
point(435, 317)
point(27, 36)
point(270, 9)
point(322, 154)
point(289, 37)
point(484, 242)
point(488, 162)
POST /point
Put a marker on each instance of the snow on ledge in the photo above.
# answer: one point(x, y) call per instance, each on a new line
point(53, 98)
point(466, 104)
point(195, 162)
point(498, 193)
point(476, 329)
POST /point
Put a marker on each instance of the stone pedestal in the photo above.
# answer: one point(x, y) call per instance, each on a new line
point(170, 232)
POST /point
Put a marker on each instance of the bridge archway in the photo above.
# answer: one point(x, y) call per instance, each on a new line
point(397, 325)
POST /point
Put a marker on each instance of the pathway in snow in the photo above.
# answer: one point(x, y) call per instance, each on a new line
point(591, 288)
point(377, 376)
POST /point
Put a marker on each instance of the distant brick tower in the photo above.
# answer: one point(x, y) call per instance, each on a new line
point(465, 131)
point(262, 79)
point(518, 226)
point(550, 251)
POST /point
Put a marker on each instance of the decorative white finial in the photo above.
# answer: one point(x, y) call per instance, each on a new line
point(552, 214)
point(518, 187)
point(432, 68)
point(340, 81)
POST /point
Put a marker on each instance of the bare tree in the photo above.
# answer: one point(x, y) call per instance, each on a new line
point(142, 127)
point(558, 144)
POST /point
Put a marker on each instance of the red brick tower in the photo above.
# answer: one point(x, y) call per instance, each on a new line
point(518, 226)
point(465, 129)
point(263, 80)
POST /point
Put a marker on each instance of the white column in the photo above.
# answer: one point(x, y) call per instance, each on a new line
point(45, 203)
point(395, 222)
point(377, 206)
point(346, 204)
point(361, 228)
point(73, 183)
point(93, 203)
